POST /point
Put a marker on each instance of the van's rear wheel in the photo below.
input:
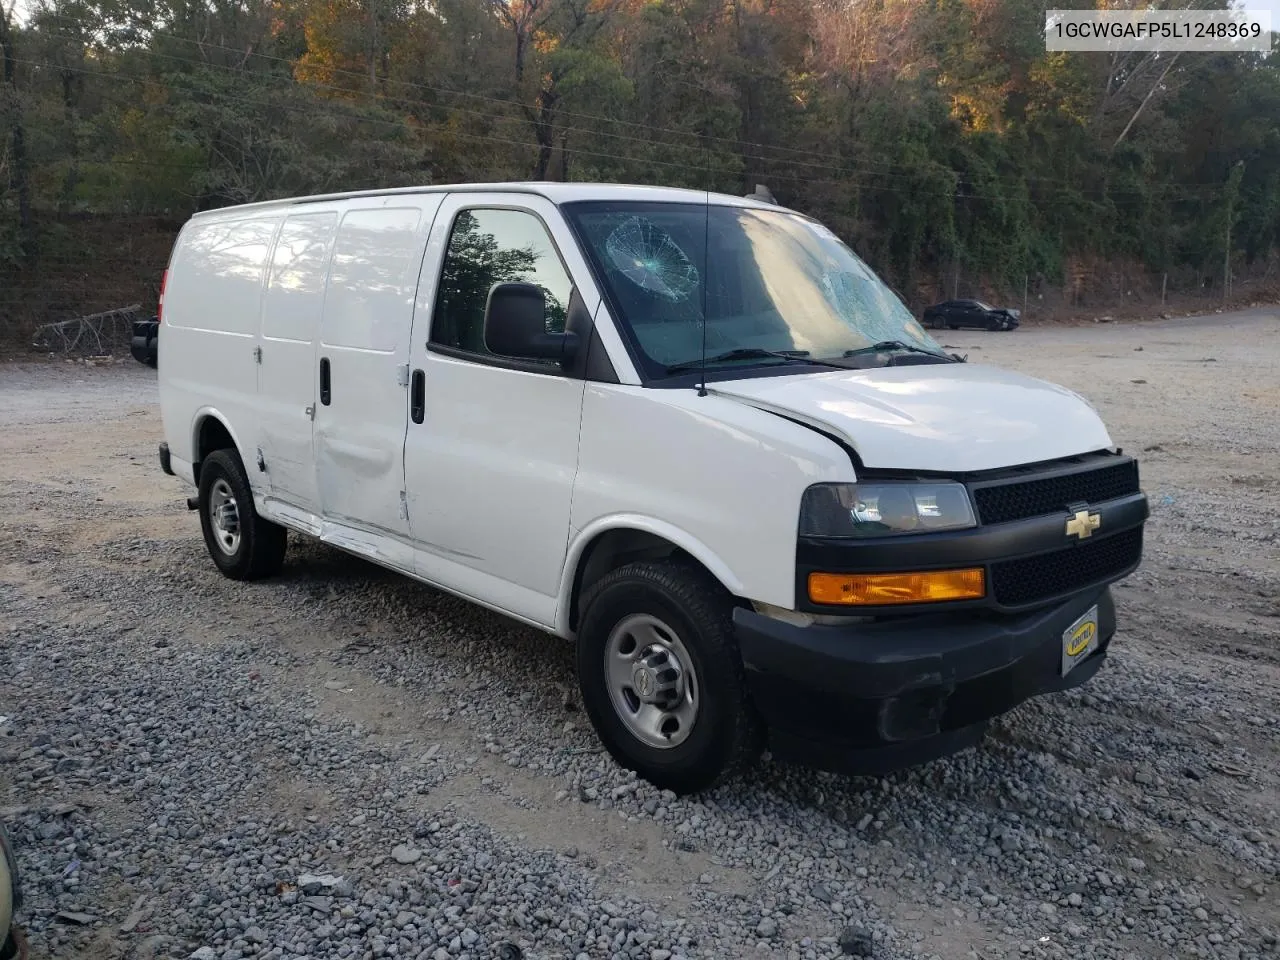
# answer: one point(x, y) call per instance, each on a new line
point(661, 676)
point(242, 544)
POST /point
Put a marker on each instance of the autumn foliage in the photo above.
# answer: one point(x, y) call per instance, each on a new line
point(929, 133)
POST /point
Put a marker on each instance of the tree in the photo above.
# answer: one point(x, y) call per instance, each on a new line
point(554, 55)
point(13, 158)
point(930, 135)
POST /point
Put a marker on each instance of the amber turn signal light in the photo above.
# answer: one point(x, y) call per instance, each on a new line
point(875, 589)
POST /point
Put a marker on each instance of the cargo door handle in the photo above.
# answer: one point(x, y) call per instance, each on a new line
point(418, 396)
point(325, 392)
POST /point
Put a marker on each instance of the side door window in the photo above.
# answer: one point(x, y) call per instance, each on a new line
point(488, 246)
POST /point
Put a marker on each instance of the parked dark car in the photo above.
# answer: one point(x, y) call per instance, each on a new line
point(954, 314)
point(146, 340)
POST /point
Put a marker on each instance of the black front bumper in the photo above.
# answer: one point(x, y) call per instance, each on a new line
point(874, 696)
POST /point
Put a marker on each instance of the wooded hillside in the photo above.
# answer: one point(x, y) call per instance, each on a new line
point(936, 136)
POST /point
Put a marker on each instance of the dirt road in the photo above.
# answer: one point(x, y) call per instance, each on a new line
point(341, 763)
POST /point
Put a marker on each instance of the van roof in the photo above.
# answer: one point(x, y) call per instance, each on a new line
point(555, 192)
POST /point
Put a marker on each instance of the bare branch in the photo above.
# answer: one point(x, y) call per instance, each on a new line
point(1145, 100)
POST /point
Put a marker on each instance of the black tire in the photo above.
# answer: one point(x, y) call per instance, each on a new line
point(10, 899)
point(726, 735)
point(259, 550)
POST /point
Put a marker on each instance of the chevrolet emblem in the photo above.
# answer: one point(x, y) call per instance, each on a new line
point(1083, 524)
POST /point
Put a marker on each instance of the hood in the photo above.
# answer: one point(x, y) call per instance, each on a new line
point(955, 417)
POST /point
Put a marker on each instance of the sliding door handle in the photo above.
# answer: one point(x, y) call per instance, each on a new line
point(418, 396)
point(326, 393)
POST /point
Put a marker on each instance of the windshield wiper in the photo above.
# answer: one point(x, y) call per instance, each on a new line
point(884, 346)
point(754, 353)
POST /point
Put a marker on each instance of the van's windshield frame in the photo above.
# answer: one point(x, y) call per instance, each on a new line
point(841, 305)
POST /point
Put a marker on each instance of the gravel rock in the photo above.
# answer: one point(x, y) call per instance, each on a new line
point(213, 773)
point(857, 942)
point(405, 854)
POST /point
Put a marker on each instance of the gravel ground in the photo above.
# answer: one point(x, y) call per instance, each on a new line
point(342, 763)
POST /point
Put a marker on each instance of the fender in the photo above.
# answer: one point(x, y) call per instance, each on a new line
point(635, 521)
point(198, 420)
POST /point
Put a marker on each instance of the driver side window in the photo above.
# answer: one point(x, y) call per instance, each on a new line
point(488, 246)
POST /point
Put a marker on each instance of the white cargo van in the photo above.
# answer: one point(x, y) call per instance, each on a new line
point(693, 434)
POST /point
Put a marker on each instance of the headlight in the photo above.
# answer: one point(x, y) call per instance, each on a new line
point(883, 509)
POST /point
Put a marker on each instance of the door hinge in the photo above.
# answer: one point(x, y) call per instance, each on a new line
point(404, 506)
point(257, 354)
point(402, 375)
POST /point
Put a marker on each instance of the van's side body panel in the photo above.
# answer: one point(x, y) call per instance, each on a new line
point(490, 476)
point(213, 303)
point(364, 341)
point(292, 306)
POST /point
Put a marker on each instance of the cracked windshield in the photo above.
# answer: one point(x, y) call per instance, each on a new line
point(768, 281)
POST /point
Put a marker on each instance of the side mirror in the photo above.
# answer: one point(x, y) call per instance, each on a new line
point(515, 325)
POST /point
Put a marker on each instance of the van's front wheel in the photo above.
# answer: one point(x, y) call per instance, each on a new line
point(242, 544)
point(661, 676)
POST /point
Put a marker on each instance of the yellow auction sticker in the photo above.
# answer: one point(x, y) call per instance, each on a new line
point(1081, 638)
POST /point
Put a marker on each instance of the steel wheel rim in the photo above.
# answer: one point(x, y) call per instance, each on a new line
point(652, 683)
point(224, 517)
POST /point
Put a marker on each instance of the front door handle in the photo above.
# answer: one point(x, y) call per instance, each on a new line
point(326, 393)
point(418, 396)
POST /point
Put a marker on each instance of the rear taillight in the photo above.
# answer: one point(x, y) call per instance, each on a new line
point(164, 278)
